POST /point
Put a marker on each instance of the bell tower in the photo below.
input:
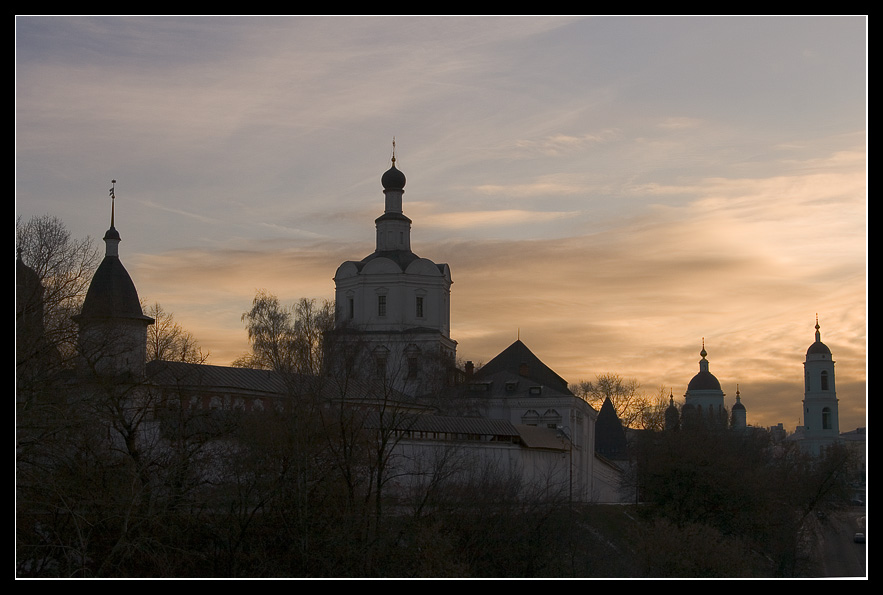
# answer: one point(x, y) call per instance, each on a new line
point(821, 423)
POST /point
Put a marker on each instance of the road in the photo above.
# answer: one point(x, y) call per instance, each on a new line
point(840, 556)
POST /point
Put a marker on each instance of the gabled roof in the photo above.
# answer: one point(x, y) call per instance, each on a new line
point(518, 361)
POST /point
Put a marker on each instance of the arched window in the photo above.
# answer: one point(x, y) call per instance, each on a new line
point(824, 380)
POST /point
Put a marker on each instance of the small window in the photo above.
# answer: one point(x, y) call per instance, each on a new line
point(381, 305)
point(419, 306)
point(351, 305)
point(826, 418)
point(824, 380)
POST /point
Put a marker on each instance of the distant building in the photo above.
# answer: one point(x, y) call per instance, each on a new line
point(704, 403)
point(821, 423)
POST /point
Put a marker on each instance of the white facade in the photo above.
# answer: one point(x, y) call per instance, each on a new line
point(518, 388)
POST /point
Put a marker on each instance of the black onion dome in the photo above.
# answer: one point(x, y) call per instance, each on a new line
point(393, 179)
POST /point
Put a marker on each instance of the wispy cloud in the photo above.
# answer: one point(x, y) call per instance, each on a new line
point(613, 188)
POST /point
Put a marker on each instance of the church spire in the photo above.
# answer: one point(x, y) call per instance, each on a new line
point(112, 200)
point(112, 236)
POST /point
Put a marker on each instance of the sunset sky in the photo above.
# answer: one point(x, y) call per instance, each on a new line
point(610, 189)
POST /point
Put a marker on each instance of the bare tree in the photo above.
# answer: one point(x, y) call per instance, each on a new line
point(286, 338)
point(63, 268)
point(167, 340)
point(625, 395)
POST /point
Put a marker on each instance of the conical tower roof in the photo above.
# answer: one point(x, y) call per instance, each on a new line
point(112, 293)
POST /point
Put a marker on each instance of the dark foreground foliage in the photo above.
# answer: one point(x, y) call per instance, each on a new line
point(283, 494)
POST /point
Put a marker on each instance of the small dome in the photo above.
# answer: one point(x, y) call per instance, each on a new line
point(393, 179)
point(738, 406)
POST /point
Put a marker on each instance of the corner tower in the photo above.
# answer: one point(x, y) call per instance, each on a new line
point(112, 327)
point(393, 306)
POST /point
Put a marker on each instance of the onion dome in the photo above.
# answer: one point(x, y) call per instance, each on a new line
point(393, 179)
